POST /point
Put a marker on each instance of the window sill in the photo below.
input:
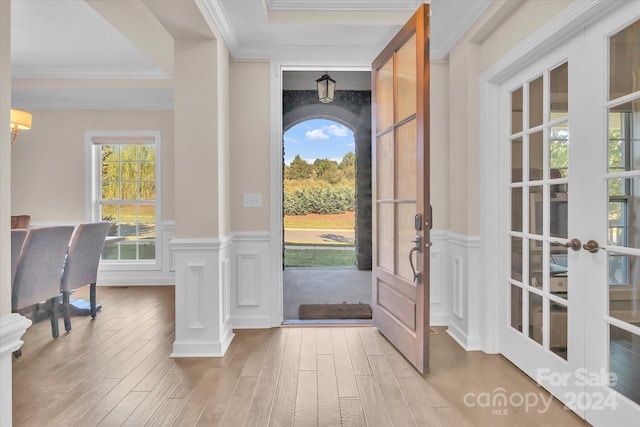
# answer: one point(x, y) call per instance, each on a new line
point(130, 265)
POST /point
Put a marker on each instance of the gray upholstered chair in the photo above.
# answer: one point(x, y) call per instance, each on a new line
point(81, 268)
point(17, 240)
point(39, 270)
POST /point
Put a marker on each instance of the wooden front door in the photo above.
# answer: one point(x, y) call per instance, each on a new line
point(401, 211)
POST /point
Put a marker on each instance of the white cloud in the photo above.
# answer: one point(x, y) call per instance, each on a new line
point(326, 132)
point(289, 140)
point(337, 130)
point(316, 134)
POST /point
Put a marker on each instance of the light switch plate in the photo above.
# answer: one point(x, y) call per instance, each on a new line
point(252, 200)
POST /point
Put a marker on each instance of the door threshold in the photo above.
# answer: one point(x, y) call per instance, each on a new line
point(327, 322)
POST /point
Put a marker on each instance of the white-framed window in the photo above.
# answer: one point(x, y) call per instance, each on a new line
point(124, 173)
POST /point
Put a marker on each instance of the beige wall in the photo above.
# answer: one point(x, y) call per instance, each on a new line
point(439, 140)
point(197, 150)
point(249, 149)
point(48, 161)
point(489, 39)
point(224, 158)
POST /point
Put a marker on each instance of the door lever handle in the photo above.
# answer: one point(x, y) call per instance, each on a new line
point(416, 274)
point(416, 248)
point(574, 244)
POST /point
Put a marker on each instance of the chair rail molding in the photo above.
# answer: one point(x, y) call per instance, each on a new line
point(12, 327)
point(203, 283)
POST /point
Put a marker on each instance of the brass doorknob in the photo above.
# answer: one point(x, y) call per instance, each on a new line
point(592, 246)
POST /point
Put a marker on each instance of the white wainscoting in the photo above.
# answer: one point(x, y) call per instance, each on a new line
point(251, 301)
point(440, 307)
point(203, 313)
point(248, 289)
point(467, 303)
point(250, 273)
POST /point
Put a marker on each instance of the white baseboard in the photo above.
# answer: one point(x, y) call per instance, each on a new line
point(202, 348)
point(250, 322)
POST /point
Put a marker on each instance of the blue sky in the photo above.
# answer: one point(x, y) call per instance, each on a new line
point(318, 139)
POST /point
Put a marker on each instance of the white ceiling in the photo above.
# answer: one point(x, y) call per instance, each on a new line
point(68, 39)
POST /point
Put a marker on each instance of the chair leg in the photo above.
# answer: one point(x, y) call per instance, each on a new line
point(55, 332)
point(92, 300)
point(66, 310)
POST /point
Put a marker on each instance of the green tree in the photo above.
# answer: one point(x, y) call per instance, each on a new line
point(327, 170)
point(299, 169)
point(348, 166)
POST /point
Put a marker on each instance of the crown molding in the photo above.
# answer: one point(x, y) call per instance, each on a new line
point(342, 4)
point(223, 24)
point(73, 73)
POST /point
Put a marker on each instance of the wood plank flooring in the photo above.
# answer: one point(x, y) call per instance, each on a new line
point(116, 370)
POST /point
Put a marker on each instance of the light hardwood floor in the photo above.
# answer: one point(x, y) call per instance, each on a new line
point(116, 370)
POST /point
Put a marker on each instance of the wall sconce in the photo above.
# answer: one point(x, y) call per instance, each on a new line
point(326, 88)
point(19, 120)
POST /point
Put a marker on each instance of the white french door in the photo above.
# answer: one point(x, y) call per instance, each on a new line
point(571, 298)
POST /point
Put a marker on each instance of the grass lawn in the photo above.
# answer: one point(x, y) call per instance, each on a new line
point(345, 221)
point(319, 258)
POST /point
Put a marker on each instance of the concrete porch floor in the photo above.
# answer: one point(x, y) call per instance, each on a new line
point(326, 285)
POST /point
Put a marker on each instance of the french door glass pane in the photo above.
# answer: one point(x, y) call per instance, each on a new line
point(385, 235)
point(406, 161)
point(516, 111)
point(619, 269)
point(624, 287)
point(624, 141)
point(516, 258)
point(535, 102)
point(624, 62)
point(624, 212)
point(558, 329)
point(535, 263)
point(559, 92)
point(559, 152)
point(559, 215)
point(536, 206)
point(516, 209)
point(407, 81)
point(536, 153)
point(624, 362)
point(384, 94)
point(384, 163)
point(559, 271)
point(535, 317)
point(516, 307)
point(516, 160)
